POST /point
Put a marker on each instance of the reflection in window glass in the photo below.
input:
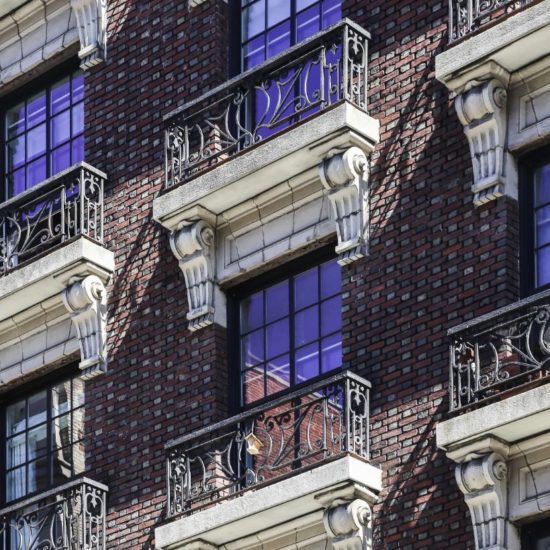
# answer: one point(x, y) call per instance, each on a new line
point(291, 332)
point(542, 225)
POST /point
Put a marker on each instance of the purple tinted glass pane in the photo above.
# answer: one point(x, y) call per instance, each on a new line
point(61, 128)
point(16, 153)
point(253, 19)
point(306, 325)
point(77, 86)
point(16, 183)
point(278, 338)
point(331, 279)
point(278, 39)
point(276, 302)
point(36, 172)
point(252, 312)
point(278, 374)
point(36, 110)
point(253, 385)
point(253, 349)
point(36, 142)
point(332, 12)
point(301, 4)
point(542, 185)
point(331, 316)
point(307, 23)
point(307, 363)
point(305, 288)
point(277, 11)
point(254, 52)
point(78, 119)
point(61, 96)
point(15, 120)
point(77, 148)
point(543, 266)
point(331, 353)
point(543, 226)
point(61, 158)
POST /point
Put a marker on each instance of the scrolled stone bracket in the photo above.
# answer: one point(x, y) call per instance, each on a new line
point(91, 20)
point(193, 246)
point(483, 481)
point(86, 301)
point(345, 177)
point(349, 525)
point(482, 110)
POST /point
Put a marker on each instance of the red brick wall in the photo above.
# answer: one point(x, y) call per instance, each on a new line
point(435, 261)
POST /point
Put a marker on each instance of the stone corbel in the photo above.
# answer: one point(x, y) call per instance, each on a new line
point(349, 525)
point(482, 110)
point(193, 246)
point(91, 20)
point(86, 301)
point(483, 479)
point(345, 177)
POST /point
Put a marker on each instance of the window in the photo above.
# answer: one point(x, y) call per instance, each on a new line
point(536, 536)
point(535, 222)
point(290, 331)
point(43, 444)
point(268, 27)
point(43, 133)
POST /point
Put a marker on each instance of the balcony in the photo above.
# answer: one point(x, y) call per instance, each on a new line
point(497, 354)
point(274, 459)
point(70, 517)
point(467, 16)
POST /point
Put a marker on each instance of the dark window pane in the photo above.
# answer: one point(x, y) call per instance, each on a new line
point(331, 279)
point(543, 226)
point(253, 385)
point(38, 478)
point(61, 431)
point(253, 349)
point(277, 10)
point(278, 39)
point(542, 185)
point(331, 317)
point(307, 363)
point(62, 464)
point(278, 338)
point(306, 325)
point(253, 19)
point(252, 312)
point(15, 120)
point(276, 301)
point(36, 142)
point(36, 110)
point(331, 353)
point(16, 450)
point(16, 415)
point(278, 374)
point(36, 172)
point(305, 289)
point(61, 128)
point(61, 96)
point(543, 266)
point(61, 158)
point(37, 408)
point(37, 440)
point(16, 482)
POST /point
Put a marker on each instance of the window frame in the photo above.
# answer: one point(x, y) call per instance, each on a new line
point(234, 297)
point(22, 93)
point(527, 249)
point(25, 391)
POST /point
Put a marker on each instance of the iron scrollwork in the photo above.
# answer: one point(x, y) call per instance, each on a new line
point(326, 70)
point(67, 206)
point(326, 420)
point(73, 518)
point(502, 353)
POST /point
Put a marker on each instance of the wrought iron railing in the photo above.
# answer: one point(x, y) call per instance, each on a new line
point(67, 205)
point(499, 352)
point(327, 69)
point(325, 420)
point(70, 517)
point(466, 16)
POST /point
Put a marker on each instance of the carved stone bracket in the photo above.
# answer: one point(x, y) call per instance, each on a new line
point(193, 246)
point(91, 20)
point(86, 300)
point(349, 525)
point(345, 177)
point(483, 480)
point(482, 110)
